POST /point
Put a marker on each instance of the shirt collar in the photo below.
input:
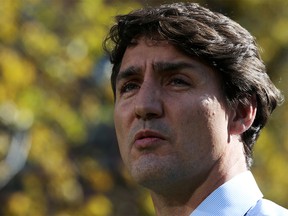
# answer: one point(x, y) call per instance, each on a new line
point(235, 197)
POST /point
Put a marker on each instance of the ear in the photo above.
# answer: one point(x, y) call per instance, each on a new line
point(242, 116)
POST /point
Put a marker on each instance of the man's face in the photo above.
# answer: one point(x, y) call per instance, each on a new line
point(170, 116)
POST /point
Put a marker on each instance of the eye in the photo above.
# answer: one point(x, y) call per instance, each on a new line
point(128, 87)
point(176, 81)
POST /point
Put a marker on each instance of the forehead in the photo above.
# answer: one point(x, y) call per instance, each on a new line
point(143, 52)
point(143, 45)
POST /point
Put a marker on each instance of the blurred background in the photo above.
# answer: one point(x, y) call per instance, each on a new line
point(58, 151)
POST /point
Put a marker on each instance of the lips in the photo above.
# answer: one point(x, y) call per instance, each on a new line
point(145, 139)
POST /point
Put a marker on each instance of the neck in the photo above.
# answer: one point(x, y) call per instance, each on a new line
point(187, 195)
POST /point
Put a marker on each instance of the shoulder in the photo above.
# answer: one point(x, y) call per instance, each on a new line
point(267, 208)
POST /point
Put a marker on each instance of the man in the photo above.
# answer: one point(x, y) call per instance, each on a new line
point(191, 96)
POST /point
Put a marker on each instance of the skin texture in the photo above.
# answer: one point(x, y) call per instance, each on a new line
point(176, 135)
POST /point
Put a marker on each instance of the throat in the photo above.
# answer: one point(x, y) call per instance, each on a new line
point(181, 199)
point(185, 196)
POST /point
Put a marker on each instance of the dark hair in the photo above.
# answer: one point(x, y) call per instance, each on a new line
point(214, 38)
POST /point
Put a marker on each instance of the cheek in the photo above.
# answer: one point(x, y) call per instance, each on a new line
point(121, 116)
point(120, 131)
point(198, 117)
point(205, 123)
point(216, 123)
point(119, 122)
point(123, 122)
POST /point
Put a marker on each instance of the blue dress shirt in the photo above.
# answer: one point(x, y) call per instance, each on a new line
point(239, 196)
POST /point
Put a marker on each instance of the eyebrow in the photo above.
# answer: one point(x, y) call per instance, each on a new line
point(158, 67)
point(130, 71)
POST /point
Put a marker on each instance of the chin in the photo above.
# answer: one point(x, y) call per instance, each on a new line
point(154, 172)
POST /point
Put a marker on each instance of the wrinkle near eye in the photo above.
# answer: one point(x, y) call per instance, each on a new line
point(127, 87)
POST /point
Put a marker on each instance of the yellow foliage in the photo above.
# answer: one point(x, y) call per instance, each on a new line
point(90, 108)
point(16, 71)
point(93, 36)
point(3, 92)
point(9, 11)
point(100, 179)
point(38, 40)
point(5, 141)
point(268, 47)
point(91, 9)
point(280, 31)
point(48, 150)
point(77, 49)
point(67, 119)
point(80, 67)
point(71, 191)
point(147, 203)
point(65, 190)
point(98, 205)
point(268, 169)
point(58, 69)
point(17, 209)
point(11, 115)
point(20, 204)
point(40, 141)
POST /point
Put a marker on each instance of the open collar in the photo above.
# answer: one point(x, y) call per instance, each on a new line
point(235, 197)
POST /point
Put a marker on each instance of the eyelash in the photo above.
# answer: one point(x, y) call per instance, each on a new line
point(132, 85)
point(178, 82)
point(127, 87)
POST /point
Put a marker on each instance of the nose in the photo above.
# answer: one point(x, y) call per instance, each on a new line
point(148, 102)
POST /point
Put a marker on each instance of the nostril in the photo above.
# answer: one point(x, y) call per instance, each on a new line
point(149, 110)
point(150, 116)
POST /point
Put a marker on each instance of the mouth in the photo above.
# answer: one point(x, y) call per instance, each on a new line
point(147, 139)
